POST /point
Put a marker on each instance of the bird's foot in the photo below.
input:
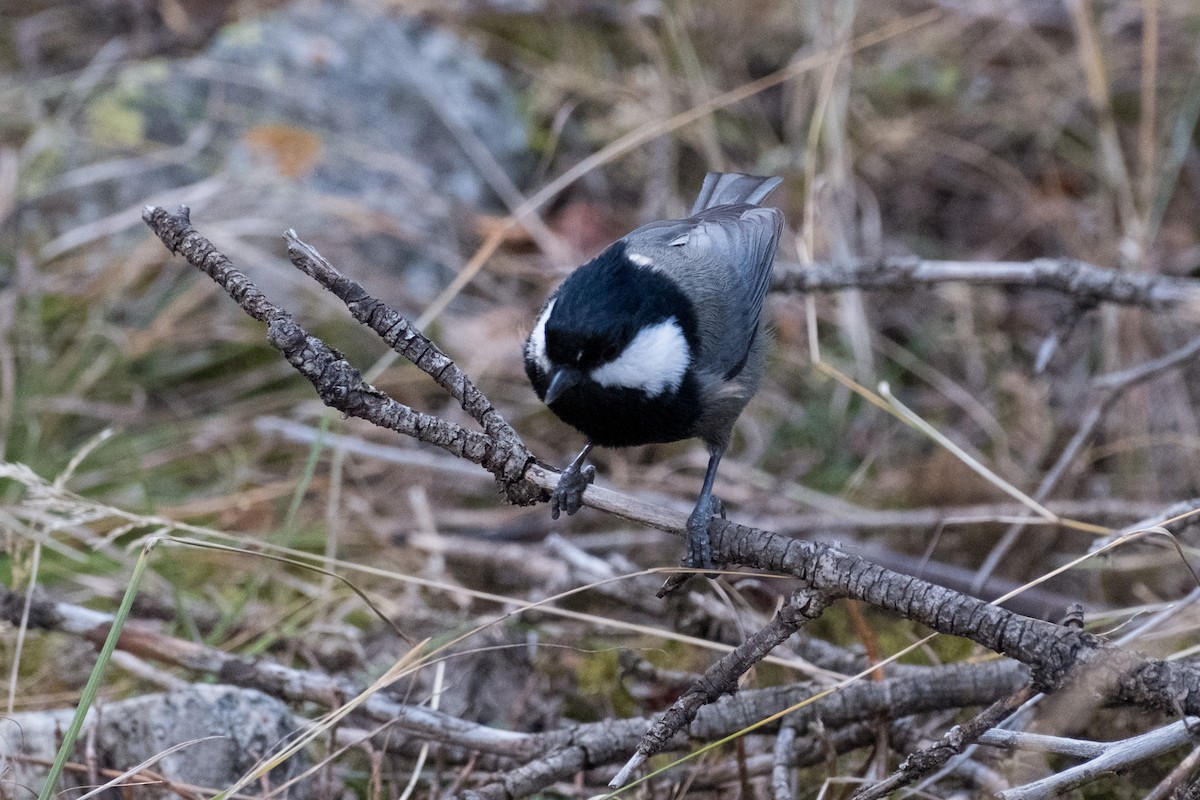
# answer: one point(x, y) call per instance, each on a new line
point(699, 548)
point(568, 494)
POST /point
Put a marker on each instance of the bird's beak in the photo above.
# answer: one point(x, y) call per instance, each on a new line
point(561, 379)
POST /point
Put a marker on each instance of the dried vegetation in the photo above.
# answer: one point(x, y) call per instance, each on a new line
point(956, 133)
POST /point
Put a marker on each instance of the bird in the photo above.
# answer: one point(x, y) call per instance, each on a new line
point(661, 338)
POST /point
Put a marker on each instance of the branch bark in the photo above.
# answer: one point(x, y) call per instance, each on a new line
point(955, 741)
point(722, 677)
point(1053, 654)
point(339, 385)
point(1085, 283)
point(538, 760)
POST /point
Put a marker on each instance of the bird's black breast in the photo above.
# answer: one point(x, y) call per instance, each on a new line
point(619, 417)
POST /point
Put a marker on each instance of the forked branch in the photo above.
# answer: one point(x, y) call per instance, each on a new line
point(497, 449)
point(1054, 654)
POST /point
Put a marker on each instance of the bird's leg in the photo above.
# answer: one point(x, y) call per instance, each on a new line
point(568, 494)
point(699, 550)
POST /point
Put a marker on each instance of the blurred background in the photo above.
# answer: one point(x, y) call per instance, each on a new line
point(398, 136)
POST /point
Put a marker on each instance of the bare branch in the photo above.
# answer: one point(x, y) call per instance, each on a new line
point(781, 783)
point(275, 679)
point(1088, 285)
point(722, 677)
point(1117, 756)
point(1170, 785)
point(1050, 650)
point(404, 338)
point(340, 386)
point(1041, 743)
point(1107, 389)
point(1054, 654)
point(544, 758)
point(954, 742)
point(841, 714)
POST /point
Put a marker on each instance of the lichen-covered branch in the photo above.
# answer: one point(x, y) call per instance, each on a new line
point(340, 385)
point(1054, 653)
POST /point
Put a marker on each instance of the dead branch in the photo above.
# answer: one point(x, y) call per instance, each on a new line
point(817, 745)
point(1052, 652)
point(722, 677)
point(781, 781)
point(1115, 757)
point(840, 713)
point(286, 683)
point(1054, 655)
point(1086, 284)
point(339, 385)
point(1173, 783)
point(954, 742)
point(1106, 390)
point(405, 339)
point(543, 758)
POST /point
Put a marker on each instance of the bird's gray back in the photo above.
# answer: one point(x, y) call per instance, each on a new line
point(721, 258)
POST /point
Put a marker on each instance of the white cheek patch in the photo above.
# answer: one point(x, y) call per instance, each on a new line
point(639, 259)
point(655, 361)
point(536, 346)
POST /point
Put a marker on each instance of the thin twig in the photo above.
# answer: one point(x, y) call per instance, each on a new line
point(1117, 756)
point(1084, 283)
point(722, 677)
point(954, 742)
point(1107, 389)
point(781, 781)
point(1169, 785)
point(402, 336)
point(1041, 743)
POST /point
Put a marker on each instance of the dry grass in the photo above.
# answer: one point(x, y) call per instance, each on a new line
point(975, 134)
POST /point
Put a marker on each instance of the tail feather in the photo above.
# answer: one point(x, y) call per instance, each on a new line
point(727, 188)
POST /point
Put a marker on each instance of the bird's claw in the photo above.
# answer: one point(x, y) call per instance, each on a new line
point(568, 494)
point(718, 507)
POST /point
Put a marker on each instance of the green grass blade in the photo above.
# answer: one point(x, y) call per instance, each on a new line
point(93, 684)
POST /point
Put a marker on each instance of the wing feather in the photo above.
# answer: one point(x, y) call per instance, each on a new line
point(721, 257)
point(740, 243)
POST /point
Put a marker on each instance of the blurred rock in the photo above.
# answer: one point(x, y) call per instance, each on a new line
point(249, 725)
point(379, 95)
point(326, 118)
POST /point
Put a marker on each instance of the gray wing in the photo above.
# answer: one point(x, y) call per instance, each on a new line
point(721, 258)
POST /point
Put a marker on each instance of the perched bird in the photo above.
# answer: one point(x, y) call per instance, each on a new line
point(660, 337)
